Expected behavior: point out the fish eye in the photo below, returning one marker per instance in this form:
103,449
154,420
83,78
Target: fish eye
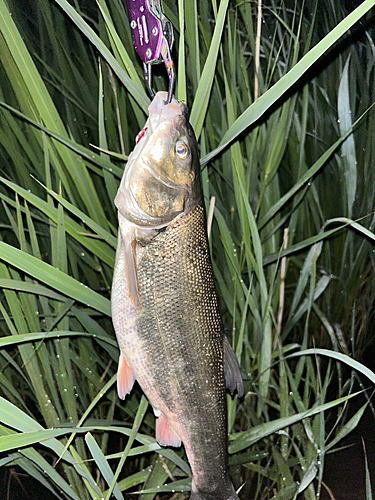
182,149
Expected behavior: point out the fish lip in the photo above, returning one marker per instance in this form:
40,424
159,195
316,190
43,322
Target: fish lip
160,112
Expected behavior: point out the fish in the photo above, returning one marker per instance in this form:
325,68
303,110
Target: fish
164,305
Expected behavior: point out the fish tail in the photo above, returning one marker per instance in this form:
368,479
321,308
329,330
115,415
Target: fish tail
207,496
228,494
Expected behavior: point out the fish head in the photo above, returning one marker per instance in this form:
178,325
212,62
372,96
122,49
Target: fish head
161,179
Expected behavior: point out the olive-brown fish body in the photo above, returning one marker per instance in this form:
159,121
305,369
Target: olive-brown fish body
165,312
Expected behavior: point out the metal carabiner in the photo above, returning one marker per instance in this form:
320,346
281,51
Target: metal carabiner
153,38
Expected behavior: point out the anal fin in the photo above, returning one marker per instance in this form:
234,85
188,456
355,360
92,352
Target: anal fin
232,372
165,435
125,378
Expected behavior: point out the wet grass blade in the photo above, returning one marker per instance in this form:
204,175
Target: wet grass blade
138,94
142,408
244,439
340,357
368,485
202,95
265,101
102,463
54,278
349,158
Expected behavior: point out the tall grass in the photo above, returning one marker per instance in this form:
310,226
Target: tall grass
292,239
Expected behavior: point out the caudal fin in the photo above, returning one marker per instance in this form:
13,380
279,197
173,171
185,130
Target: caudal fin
204,496
226,493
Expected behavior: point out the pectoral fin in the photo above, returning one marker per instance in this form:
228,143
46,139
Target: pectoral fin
232,373
130,268
165,435
125,378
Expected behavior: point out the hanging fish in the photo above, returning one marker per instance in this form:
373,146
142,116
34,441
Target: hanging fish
164,305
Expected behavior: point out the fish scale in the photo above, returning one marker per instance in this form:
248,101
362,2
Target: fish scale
180,314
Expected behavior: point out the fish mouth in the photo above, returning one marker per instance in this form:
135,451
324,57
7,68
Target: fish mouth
159,114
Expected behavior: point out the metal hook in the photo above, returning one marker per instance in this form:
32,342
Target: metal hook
166,55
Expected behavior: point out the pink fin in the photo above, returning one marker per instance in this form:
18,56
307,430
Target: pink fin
165,435
125,378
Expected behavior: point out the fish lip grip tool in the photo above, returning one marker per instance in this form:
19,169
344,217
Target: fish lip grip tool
153,38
